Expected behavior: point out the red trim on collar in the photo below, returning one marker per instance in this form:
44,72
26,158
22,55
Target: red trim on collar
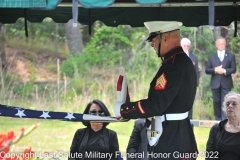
173,56
172,49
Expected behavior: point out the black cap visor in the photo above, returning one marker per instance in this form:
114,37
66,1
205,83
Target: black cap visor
152,35
155,34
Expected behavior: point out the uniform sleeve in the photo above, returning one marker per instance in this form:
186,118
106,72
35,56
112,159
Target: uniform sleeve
166,88
232,68
209,68
135,139
210,143
114,146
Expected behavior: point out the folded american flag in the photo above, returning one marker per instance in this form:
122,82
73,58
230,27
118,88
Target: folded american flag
17,112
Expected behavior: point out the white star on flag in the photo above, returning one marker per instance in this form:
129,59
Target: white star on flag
45,115
20,113
69,116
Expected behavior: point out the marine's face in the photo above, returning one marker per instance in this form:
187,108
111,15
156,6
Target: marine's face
221,44
232,104
164,44
155,43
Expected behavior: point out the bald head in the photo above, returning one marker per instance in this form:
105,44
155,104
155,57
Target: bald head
186,44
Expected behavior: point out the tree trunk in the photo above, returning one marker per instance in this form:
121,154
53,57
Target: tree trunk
224,32
2,49
203,75
56,40
217,32
200,30
74,38
128,53
227,34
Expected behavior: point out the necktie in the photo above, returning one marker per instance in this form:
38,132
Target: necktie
221,56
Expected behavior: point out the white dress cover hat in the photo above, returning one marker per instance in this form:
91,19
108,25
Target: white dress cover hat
157,27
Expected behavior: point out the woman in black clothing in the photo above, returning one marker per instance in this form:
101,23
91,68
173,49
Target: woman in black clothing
95,142
224,138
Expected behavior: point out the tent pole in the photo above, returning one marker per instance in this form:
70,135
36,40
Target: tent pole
89,21
25,22
235,6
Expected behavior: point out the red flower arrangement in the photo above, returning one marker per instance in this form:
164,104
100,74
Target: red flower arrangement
6,140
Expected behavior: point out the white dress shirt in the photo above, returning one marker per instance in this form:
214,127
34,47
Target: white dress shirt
221,55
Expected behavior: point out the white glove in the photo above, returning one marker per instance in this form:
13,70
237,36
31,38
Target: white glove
117,107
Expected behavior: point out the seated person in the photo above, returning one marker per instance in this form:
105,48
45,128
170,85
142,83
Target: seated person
224,138
95,139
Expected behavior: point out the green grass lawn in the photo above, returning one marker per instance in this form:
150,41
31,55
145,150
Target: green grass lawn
55,135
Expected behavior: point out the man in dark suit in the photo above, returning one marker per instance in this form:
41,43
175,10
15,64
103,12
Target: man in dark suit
220,65
186,44
138,142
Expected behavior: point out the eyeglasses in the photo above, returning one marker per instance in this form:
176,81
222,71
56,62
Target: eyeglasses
100,113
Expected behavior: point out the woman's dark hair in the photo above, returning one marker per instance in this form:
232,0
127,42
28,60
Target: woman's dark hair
103,108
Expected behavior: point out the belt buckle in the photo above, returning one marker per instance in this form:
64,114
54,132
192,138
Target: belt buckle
153,133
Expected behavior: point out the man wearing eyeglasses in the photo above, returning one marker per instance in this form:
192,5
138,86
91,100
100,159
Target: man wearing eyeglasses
170,97
186,44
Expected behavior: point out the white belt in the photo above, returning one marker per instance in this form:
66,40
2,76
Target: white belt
153,136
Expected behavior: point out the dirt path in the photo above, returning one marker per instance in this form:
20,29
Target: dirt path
27,65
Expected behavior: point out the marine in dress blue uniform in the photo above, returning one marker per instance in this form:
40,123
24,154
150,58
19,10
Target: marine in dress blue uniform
170,97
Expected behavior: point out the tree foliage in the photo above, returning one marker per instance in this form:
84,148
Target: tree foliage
107,47
36,31
143,59
235,44
202,41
